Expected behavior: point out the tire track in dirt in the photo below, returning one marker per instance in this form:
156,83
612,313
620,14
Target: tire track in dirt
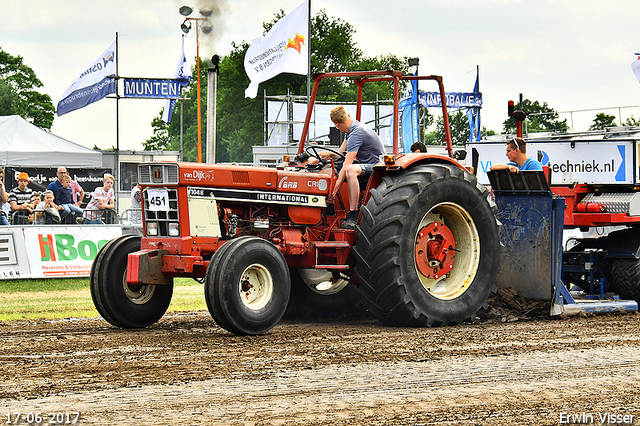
402,390
186,370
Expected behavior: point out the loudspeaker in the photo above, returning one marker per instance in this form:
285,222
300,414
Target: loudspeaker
336,137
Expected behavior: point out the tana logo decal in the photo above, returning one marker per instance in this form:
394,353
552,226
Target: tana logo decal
198,175
296,44
284,183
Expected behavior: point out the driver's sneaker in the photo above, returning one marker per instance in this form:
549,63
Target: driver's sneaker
349,224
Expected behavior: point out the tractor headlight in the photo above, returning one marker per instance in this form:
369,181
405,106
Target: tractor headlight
152,228
173,230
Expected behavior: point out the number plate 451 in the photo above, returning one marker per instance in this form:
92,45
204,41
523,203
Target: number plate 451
158,199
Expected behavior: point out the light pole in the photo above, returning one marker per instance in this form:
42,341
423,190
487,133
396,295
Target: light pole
212,88
413,62
206,28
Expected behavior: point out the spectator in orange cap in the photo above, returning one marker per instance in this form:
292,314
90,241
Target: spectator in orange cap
21,198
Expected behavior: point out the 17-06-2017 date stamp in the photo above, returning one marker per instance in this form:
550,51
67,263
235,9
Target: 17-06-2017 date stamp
37,418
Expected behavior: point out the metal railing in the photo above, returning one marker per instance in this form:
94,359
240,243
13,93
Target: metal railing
42,217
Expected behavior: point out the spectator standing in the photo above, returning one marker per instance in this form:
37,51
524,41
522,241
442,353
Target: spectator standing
136,205
4,196
21,199
102,198
78,193
64,196
518,160
57,184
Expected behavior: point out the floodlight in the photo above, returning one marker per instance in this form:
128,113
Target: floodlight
206,27
206,11
185,11
186,26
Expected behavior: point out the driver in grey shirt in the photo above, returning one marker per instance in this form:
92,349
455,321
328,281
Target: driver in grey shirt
363,148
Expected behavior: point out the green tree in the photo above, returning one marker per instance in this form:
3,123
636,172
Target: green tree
540,118
240,120
18,95
458,125
632,122
602,121
160,138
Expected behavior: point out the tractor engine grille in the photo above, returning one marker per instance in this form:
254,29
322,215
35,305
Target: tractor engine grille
164,221
158,173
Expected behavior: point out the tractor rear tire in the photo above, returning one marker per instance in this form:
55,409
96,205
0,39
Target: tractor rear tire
427,247
248,286
626,278
118,302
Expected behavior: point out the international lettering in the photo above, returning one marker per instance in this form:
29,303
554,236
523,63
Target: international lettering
283,198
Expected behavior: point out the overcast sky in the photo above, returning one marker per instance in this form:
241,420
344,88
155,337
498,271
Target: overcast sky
573,54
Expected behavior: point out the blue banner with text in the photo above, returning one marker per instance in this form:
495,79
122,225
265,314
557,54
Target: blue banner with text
151,88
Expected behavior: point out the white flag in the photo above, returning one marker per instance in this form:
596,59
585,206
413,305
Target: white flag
92,84
285,48
183,77
635,66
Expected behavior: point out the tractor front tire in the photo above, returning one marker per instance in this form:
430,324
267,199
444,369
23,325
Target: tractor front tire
427,247
120,303
248,286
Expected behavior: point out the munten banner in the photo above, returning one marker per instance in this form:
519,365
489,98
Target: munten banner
92,84
285,48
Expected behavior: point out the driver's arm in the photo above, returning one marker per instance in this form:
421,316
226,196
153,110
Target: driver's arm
328,154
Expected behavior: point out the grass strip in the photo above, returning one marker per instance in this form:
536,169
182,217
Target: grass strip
70,298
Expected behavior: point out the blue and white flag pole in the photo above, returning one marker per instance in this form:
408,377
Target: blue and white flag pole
183,78
473,114
635,66
94,83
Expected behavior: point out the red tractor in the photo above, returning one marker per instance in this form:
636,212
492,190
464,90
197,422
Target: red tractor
425,251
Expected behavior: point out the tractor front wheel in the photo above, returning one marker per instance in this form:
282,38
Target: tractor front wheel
119,302
247,286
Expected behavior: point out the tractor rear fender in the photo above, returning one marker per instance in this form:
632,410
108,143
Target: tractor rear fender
404,162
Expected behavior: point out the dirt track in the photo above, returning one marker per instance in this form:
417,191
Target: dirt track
185,370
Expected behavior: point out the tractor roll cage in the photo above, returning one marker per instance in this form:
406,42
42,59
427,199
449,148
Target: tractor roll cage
362,77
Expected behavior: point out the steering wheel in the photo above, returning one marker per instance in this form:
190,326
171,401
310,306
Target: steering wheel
314,151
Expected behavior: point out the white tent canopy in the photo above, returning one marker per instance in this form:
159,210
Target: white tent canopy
24,145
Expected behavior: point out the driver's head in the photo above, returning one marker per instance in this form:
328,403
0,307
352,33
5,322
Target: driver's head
340,118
